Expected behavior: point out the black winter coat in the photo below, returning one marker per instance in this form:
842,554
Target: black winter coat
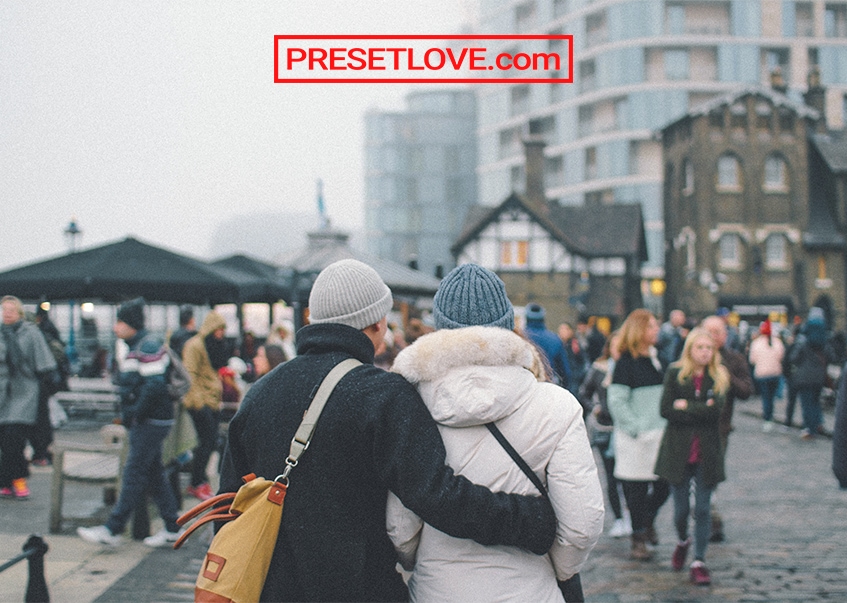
374,434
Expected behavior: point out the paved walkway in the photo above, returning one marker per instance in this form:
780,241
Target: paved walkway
786,521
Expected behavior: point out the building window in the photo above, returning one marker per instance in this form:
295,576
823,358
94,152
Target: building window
525,16
554,173
729,173
764,118
596,31
585,120
776,255
835,20
519,99
516,177
675,19
786,122
776,59
776,174
590,163
738,119
730,251
587,76
688,175
514,254
804,20
676,64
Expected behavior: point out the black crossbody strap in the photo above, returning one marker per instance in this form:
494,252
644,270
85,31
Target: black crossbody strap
516,457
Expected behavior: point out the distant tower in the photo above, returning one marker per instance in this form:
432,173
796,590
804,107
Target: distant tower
322,207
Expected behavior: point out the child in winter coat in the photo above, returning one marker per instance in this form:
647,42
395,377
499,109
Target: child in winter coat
694,394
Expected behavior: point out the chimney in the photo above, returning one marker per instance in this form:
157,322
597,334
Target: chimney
534,158
777,81
816,94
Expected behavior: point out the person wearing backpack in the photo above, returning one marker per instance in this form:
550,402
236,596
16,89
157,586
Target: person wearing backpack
147,411
374,435
809,358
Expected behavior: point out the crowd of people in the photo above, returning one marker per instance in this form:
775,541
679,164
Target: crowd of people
409,463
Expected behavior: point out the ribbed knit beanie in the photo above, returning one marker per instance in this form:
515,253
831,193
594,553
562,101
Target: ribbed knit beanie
351,293
471,295
132,313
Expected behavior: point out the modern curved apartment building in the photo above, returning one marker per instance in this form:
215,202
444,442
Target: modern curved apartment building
639,65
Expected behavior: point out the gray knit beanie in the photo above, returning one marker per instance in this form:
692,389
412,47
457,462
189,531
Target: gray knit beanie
351,293
472,296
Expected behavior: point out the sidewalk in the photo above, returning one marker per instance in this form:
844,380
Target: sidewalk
76,571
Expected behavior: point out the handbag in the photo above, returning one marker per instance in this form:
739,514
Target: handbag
237,562
572,587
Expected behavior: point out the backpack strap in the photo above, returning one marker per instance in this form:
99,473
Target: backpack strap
303,436
516,457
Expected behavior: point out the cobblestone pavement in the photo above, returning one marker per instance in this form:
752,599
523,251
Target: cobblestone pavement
785,522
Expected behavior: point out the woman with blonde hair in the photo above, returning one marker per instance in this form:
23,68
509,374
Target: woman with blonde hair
691,450
634,399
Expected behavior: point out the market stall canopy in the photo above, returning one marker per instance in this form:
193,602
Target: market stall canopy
131,268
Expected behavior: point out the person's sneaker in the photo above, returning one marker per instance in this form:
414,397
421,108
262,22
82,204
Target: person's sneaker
821,430
201,492
699,574
620,529
41,462
162,538
7,493
99,535
652,536
20,488
806,435
639,550
767,426
679,554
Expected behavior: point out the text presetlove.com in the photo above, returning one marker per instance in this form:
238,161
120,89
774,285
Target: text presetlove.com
461,59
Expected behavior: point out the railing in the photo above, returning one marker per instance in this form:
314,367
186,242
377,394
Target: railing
33,551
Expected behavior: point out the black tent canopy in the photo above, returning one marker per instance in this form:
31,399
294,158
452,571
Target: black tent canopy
131,268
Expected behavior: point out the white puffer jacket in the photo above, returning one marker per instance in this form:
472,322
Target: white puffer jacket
467,378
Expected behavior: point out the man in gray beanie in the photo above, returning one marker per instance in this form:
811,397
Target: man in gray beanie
374,435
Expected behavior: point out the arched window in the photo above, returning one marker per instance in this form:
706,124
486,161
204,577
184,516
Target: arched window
776,254
688,177
776,174
729,173
729,251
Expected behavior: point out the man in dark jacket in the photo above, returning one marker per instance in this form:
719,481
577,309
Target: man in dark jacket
147,411
549,344
374,435
740,387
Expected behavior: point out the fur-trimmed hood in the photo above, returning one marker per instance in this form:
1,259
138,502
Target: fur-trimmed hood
469,376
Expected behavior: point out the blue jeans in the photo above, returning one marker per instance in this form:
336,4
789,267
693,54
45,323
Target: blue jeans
810,403
702,503
767,388
144,473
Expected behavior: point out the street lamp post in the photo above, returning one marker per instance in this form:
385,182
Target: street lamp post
72,231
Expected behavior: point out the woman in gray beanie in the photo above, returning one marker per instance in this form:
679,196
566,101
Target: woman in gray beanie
473,370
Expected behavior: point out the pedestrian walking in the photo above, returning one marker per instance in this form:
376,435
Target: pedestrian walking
766,354
474,371
809,358
634,399
691,450
592,396
148,412
374,435
187,329
205,398
577,356
26,366
839,432
549,343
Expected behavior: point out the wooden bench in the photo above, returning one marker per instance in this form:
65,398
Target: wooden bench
88,463
90,401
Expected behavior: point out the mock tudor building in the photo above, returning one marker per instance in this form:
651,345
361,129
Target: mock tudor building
573,260
754,206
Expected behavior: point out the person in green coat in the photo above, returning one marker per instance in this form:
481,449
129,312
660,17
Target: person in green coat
694,394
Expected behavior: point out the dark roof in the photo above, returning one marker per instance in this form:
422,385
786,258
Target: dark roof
615,230
823,230
833,149
326,247
776,98
129,268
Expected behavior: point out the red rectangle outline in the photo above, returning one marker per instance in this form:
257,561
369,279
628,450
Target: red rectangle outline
567,37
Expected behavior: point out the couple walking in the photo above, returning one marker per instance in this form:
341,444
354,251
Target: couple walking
456,495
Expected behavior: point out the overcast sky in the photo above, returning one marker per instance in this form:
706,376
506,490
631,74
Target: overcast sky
161,119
